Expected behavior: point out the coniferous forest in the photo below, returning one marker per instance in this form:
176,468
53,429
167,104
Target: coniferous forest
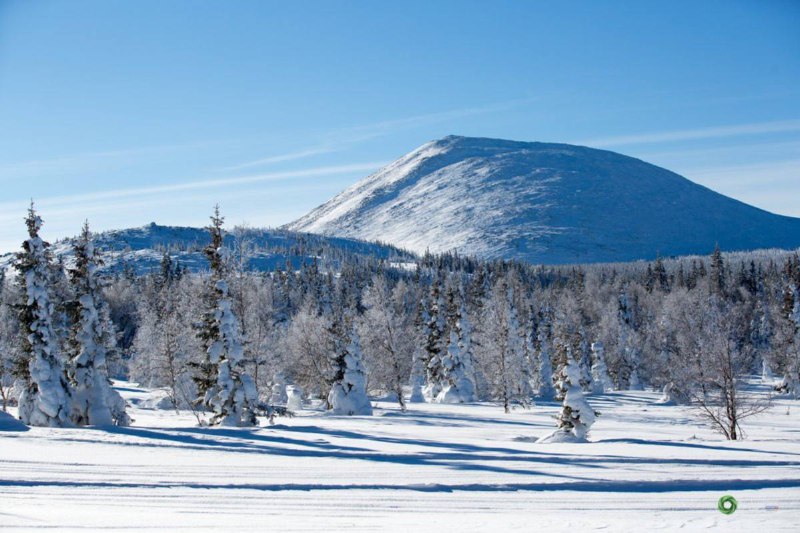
232,343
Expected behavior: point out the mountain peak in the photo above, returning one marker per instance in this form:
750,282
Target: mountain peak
542,202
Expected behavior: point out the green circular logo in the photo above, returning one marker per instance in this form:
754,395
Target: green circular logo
727,504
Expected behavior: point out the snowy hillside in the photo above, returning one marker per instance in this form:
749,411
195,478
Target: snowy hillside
141,249
548,203
437,467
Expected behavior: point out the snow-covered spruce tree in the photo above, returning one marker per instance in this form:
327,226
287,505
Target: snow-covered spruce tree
61,294
576,416
434,331
348,395
94,401
226,390
458,385
601,382
45,393
717,273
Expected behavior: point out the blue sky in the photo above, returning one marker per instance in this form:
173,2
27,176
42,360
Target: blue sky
131,112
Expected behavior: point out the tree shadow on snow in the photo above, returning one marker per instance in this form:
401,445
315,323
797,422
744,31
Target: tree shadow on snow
457,456
693,445
676,485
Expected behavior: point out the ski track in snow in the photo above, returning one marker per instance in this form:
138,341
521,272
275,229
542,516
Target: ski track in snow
434,468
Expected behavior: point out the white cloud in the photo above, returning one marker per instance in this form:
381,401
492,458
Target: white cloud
385,127
774,186
757,128
292,156
76,200
92,160
341,139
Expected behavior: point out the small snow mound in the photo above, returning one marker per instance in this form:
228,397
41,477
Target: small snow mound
294,398
667,398
9,423
348,403
160,400
561,436
451,395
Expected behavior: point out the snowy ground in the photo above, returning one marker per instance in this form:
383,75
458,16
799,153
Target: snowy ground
435,468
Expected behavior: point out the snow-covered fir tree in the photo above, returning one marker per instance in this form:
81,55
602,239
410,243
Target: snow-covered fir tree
458,385
45,394
576,416
434,332
226,389
717,273
348,394
94,401
601,382
233,398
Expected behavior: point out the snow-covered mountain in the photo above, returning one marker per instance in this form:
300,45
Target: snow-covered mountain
142,249
544,203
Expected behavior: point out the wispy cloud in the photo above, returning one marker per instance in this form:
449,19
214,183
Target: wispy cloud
750,177
92,160
770,185
74,201
292,156
732,151
333,141
377,129
757,128
341,139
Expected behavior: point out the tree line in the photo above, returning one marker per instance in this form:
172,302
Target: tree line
233,343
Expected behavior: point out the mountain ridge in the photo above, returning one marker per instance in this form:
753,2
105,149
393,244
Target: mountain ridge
142,248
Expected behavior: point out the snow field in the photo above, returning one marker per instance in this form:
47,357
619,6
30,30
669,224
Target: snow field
437,467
